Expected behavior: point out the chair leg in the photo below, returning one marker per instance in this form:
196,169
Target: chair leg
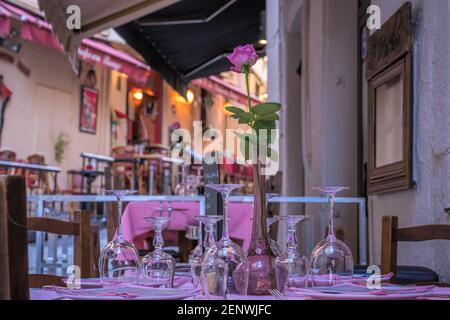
95,250
185,245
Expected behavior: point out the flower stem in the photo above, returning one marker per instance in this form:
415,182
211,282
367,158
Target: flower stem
247,71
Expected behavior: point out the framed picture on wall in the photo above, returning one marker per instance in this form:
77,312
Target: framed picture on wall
88,110
390,136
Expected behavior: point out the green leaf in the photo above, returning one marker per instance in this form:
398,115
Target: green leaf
269,116
245,117
265,124
235,110
265,108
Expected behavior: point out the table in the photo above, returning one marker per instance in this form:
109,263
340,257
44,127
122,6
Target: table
39,294
37,167
137,230
94,172
89,175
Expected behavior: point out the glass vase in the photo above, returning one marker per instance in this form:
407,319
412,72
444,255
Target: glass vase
260,255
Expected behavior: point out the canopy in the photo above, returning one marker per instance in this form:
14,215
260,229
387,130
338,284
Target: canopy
34,28
96,16
191,38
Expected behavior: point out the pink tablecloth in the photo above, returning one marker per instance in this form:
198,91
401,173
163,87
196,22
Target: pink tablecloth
137,230
436,294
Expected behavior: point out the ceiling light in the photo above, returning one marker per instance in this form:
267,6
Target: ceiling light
190,96
138,95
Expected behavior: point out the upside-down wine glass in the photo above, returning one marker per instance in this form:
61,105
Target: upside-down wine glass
182,188
209,221
119,260
331,259
158,267
225,267
291,267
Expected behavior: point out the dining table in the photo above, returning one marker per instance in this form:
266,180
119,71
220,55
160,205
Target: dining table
183,284
137,230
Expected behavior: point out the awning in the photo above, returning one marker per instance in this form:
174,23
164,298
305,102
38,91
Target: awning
98,52
34,28
190,39
218,86
96,16
4,20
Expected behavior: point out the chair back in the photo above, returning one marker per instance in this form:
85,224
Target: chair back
80,228
7,155
124,170
13,239
391,235
123,152
34,178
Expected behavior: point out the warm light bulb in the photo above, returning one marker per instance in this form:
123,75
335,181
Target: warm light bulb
190,96
138,95
262,42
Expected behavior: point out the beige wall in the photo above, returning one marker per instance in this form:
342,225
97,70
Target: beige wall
47,104
176,109
424,204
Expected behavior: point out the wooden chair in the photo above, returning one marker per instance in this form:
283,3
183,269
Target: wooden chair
37,182
391,234
13,239
7,155
124,169
80,228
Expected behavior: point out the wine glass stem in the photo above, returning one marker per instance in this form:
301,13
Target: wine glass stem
208,242
331,214
292,240
119,214
158,241
225,234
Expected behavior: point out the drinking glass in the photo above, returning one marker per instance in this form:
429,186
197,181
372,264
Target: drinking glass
208,241
291,268
331,259
119,260
276,249
225,267
274,246
158,267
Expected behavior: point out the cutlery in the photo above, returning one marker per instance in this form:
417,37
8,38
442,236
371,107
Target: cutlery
277,294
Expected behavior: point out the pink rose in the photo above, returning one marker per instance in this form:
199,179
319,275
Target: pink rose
243,56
